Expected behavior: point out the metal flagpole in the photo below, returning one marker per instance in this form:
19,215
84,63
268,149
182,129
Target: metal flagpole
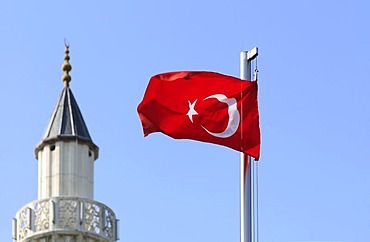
246,164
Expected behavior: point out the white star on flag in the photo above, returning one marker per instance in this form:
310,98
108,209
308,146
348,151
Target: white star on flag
192,111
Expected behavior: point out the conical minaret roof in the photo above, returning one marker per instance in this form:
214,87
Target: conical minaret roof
66,122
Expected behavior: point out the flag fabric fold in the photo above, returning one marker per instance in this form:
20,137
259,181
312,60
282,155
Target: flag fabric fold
203,106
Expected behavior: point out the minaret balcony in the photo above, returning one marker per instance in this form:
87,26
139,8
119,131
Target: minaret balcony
65,216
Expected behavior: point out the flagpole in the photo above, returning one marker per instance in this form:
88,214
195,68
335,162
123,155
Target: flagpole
246,164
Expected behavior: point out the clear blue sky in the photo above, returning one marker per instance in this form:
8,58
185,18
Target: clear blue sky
313,97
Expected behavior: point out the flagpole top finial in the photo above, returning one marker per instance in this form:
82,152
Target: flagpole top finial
66,67
252,54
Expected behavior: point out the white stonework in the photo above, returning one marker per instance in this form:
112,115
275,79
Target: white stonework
65,210
65,219
66,169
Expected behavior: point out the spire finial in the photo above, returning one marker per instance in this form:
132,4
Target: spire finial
66,67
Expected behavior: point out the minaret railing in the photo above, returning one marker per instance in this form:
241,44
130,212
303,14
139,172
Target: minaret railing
65,215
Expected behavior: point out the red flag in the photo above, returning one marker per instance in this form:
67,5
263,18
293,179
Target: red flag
204,106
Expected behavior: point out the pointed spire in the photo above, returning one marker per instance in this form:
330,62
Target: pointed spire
66,122
66,67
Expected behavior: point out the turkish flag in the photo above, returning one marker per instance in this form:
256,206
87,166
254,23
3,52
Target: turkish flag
203,106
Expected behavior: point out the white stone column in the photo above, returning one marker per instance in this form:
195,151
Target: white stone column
66,169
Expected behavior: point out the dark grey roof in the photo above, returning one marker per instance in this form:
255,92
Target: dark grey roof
66,123
67,119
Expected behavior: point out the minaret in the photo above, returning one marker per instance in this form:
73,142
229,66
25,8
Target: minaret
65,210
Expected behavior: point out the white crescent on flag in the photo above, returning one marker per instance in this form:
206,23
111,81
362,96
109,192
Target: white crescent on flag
234,116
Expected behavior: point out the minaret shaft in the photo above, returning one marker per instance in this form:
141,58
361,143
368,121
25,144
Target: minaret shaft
66,169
